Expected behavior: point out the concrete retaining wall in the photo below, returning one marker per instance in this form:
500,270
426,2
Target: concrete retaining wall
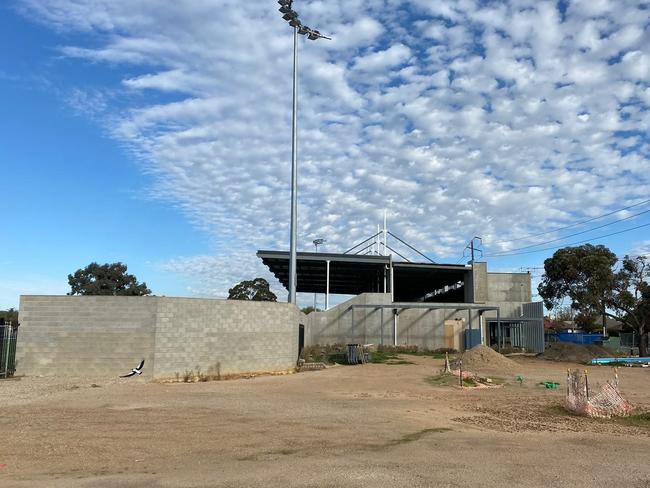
416,327
97,336
419,327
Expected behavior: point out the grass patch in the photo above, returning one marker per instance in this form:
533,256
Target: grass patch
637,420
442,380
430,354
416,351
385,357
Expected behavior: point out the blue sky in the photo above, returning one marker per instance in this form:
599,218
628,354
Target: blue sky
159,137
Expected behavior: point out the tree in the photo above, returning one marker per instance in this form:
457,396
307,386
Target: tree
257,290
583,274
588,323
588,275
310,309
630,301
10,315
106,279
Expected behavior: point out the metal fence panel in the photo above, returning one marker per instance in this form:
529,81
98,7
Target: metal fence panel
8,338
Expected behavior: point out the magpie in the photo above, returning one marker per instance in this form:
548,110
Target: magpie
135,371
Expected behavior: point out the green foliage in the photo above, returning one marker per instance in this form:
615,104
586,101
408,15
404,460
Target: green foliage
588,323
588,277
9,315
582,274
310,309
106,279
631,298
637,420
416,351
257,290
385,357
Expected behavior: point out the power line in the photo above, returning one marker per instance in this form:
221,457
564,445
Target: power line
568,245
573,225
576,233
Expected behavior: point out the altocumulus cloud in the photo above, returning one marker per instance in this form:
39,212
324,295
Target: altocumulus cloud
460,117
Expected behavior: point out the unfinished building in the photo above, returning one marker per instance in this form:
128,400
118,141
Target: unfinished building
426,304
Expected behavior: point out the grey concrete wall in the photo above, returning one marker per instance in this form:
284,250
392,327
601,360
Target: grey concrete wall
85,336
98,336
509,287
229,336
480,283
424,328
336,325
420,327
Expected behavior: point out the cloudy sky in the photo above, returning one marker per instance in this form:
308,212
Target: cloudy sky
157,133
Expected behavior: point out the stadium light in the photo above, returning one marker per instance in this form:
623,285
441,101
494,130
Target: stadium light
291,16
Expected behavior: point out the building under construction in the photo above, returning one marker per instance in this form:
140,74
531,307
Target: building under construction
402,302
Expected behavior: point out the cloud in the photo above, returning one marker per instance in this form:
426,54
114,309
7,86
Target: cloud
381,60
461,118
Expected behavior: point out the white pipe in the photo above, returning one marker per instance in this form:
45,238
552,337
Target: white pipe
392,282
395,329
385,232
377,241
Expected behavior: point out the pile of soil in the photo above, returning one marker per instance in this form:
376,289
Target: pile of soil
481,358
574,353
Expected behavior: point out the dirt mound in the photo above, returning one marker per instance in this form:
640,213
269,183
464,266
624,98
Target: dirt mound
481,358
574,353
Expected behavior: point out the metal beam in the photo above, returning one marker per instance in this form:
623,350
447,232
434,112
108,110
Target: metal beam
411,247
432,305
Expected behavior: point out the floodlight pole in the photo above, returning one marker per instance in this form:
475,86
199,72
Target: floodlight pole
291,16
294,175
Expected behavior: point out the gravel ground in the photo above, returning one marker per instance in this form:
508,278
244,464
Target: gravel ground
363,426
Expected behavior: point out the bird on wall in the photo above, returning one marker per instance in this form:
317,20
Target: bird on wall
134,371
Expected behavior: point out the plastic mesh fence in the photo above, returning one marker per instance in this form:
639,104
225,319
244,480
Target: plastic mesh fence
604,401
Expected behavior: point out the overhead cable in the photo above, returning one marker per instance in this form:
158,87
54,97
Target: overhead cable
574,234
576,224
568,245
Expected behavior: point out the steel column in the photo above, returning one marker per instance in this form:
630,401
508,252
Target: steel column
294,176
327,285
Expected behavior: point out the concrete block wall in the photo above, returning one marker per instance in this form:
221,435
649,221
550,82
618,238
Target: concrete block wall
85,336
228,336
107,336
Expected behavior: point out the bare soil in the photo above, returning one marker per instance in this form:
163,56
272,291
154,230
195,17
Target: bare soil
565,351
482,359
354,426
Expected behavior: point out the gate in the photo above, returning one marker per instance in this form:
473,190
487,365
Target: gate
8,337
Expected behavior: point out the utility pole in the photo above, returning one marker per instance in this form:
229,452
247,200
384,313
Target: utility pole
473,249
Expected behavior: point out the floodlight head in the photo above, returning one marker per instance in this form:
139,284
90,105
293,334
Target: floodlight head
295,23
290,15
318,242
286,3
304,30
314,34
285,9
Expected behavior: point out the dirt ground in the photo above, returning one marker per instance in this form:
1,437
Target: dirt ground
374,425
